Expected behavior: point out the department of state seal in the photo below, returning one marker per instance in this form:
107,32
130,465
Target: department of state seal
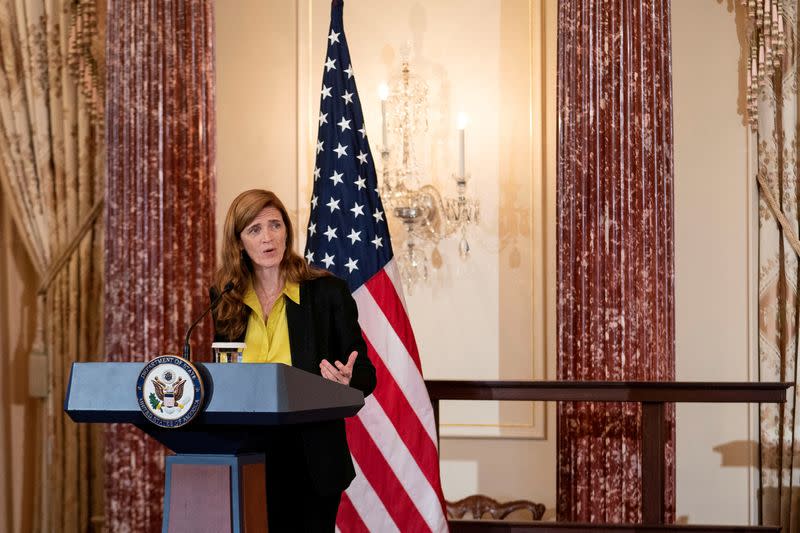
169,391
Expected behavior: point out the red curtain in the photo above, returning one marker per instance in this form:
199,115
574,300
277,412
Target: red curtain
615,244
160,199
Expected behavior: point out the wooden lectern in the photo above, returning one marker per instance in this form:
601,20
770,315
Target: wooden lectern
216,480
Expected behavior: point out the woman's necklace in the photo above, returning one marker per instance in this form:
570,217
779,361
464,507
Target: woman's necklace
267,298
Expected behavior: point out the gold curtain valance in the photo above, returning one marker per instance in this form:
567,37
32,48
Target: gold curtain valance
767,36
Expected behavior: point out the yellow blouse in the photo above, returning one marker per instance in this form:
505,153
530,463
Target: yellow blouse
268,341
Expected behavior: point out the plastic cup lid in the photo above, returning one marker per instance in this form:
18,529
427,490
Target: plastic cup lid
229,345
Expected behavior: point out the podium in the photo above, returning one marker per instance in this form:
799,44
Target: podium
216,480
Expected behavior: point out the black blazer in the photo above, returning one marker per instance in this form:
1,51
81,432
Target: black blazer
325,326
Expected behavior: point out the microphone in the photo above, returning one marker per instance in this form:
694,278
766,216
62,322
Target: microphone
216,298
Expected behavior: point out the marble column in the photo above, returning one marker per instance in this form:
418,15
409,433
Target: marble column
615,244
160,198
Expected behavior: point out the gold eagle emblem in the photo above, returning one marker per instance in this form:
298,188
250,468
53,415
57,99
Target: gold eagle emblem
162,388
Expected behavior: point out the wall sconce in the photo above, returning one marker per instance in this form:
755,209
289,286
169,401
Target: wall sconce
425,214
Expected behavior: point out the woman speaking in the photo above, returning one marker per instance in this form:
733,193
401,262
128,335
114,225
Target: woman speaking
289,312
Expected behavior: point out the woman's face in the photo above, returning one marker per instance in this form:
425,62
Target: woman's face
264,239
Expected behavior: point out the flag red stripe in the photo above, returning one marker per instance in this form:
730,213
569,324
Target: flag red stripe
348,519
405,420
382,479
385,295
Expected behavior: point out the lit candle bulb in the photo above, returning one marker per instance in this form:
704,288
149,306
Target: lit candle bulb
383,92
462,125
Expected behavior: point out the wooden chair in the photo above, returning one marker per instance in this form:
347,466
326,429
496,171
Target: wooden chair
478,505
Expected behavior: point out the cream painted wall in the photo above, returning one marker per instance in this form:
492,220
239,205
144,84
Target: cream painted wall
713,195
256,101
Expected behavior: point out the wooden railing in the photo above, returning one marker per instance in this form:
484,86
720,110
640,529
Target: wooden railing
652,395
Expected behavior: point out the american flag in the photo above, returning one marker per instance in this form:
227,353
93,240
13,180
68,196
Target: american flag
393,438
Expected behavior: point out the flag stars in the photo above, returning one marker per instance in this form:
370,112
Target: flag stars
344,124
331,234
357,210
333,204
354,236
332,249
326,92
351,264
340,150
336,178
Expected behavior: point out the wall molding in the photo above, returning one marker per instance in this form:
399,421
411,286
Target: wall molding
475,419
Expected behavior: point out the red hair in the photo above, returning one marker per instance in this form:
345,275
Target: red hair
231,313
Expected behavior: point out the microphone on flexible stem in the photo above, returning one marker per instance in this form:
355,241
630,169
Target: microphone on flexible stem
187,348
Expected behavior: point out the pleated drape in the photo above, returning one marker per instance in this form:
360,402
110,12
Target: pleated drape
160,217
776,97
615,307
51,172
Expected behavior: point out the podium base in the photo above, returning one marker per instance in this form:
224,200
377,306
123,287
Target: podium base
215,494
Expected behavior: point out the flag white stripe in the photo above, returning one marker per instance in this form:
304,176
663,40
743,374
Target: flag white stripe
394,276
394,355
402,463
368,505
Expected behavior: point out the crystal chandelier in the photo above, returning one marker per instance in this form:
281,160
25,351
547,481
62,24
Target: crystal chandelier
425,214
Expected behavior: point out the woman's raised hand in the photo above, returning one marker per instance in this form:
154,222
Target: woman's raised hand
341,373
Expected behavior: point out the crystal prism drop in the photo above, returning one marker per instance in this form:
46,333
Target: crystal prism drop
463,248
